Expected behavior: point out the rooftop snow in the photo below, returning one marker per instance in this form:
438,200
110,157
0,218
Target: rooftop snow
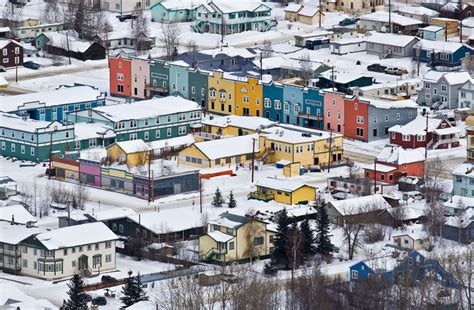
432,28
294,134
279,184
246,122
16,212
182,4
13,234
228,147
229,220
293,7
16,122
443,46
308,11
382,16
415,231
394,154
147,108
172,142
359,205
465,169
413,9
391,84
219,236
228,51
462,220
84,131
342,77
132,146
226,6
417,126
61,96
76,235
468,22
390,39
390,104
113,213
59,39
379,167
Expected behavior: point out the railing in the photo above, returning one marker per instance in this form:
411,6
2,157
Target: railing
260,196
309,116
443,141
210,136
156,88
213,251
231,21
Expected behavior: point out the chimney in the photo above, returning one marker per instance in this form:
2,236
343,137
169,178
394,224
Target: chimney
13,220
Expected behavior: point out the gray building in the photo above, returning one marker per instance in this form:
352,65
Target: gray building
384,114
466,94
379,21
440,90
387,44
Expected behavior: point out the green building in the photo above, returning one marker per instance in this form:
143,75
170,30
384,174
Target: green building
198,86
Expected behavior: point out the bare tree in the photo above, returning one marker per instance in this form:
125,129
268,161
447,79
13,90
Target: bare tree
253,230
294,251
460,263
306,68
51,12
140,26
434,218
267,49
192,47
433,171
352,232
80,196
11,15
171,33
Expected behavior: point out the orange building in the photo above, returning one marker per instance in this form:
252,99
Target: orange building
394,162
356,114
120,76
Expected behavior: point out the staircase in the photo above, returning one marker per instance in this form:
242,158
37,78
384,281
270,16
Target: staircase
271,24
210,254
268,151
385,54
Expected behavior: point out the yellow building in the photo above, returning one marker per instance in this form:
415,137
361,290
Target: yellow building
249,97
470,143
221,93
132,153
295,144
234,237
233,125
220,152
283,191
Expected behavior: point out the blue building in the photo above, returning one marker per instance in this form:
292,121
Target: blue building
272,101
53,105
441,54
463,180
312,112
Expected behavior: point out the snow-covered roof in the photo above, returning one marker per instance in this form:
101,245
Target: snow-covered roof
294,134
390,104
147,108
309,11
172,142
394,154
390,39
61,96
245,122
14,234
59,39
229,220
382,16
84,131
453,6
132,146
228,51
447,131
226,6
219,236
342,77
379,167
468,22
415,232
280,62
465,169
179,63
76,235
413,9
7,182
280,184
4,29
458,202
16,122
439,46
357,205
293,7
417,126
5,42
412,211
113,213
463,220
391,84
432,28
453,78
182,4
347,41
228,147
18,213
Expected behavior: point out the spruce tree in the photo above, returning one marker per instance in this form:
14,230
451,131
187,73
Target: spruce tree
309,248
279,258
323,242
76,297
132,290
218,201
232,203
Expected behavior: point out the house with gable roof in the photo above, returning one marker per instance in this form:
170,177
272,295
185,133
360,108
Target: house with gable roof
445,54
394,162
433,133
291,11
231,237
387,44
234,17
283,191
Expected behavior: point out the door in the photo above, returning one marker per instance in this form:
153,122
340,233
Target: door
83,262
177,188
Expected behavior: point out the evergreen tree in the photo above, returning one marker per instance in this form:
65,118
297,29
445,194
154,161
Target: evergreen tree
309,248
218,201
132,290
77,298
323,242
232,203
279,257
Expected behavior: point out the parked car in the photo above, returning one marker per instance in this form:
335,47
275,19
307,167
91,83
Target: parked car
445,196
107,278
123,18
99,301
396,71
376,68
415,195
3,69
31,65
348,21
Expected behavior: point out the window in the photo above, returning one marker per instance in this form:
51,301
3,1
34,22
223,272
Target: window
182,130
133,136
168,132
4,146
444,88
410,114
108,244
387,118
157,133
65,252
12,148
277,104
89,247
421,137
193,90
360,119
120,228
108,258
231,245
398,116
92,142
146,135
120,88
22,149
258,241
286,106
24,249
97,261
360,132
24,263
73,264
428,96
80,249
35,265
405,137
97,246
355,274
427,85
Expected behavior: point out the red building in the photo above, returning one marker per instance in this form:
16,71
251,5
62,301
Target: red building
394,162
425,132
356,117
120,76
11,53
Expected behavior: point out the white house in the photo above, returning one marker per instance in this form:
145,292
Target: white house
346,46
468,27
88,249
414,11
412,237
466,94
379,21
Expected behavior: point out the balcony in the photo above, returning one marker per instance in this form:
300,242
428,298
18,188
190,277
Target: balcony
260,196
309,116
156,88
209,136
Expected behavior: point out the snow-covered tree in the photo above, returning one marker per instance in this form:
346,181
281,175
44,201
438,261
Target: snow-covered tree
323,242
231,203
218,201
133,290
76,296
307,233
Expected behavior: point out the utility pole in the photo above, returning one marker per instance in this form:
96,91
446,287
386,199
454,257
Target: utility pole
320,13
375,175
460,20
426,143
332,78
50,153
446,32
330,151
67,44
390,16
261,65
200,194
253,158
149,176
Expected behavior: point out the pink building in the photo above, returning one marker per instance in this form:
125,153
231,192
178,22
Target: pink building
140,77
334,111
